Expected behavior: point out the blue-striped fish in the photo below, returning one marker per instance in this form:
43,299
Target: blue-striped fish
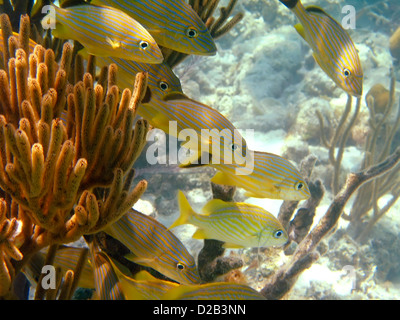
106,280
213,291
105,31
271,176
161,79
208,133
154,246
67,257
238,224
332,46
173,23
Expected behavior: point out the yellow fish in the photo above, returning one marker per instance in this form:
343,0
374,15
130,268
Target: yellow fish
211,136
104,31
271,176
173,23
154,246
106,280
142,286
332,46
213,291
238,224
161,79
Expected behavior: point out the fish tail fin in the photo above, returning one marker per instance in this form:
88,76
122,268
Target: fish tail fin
185,209
290,3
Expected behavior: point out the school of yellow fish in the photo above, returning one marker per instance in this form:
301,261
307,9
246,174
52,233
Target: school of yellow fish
128,34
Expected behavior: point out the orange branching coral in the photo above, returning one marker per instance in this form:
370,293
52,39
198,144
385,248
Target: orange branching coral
60,143
8,250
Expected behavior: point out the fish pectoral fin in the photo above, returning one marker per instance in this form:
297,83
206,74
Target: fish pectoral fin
300,30
114,44
228,245
199,234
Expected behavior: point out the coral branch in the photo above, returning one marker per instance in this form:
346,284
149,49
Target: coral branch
280,283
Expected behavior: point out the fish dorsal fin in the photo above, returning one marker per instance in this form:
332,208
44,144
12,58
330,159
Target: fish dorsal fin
215,204
300,30
315,9
175,95
71,3
318,10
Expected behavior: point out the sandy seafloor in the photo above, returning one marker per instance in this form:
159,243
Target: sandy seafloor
264,78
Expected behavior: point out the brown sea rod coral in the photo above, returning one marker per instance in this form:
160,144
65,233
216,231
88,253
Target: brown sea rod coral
59,143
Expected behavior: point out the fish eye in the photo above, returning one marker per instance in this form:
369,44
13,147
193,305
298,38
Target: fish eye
234,147
143,45
278,234
180,266
298,186
191,32
163,85
346,72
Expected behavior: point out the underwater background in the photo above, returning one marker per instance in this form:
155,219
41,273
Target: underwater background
264,79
